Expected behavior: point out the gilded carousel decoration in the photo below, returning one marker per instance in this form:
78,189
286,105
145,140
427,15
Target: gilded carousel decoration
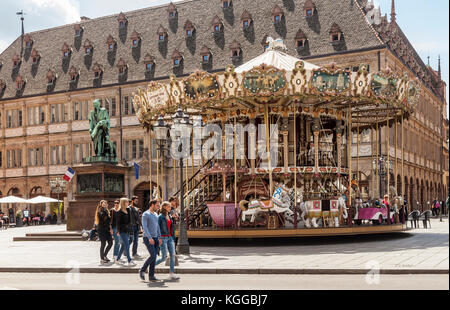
299,118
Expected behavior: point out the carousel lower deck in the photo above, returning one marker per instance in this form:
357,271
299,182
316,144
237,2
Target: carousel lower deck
299,232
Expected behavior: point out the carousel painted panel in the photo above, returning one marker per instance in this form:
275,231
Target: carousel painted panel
230,82
264,81
200,87
330,82
383,86
299,78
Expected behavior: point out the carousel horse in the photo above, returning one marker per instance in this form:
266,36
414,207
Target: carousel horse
313,210
280,203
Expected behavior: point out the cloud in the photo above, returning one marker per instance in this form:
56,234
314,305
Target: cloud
68,9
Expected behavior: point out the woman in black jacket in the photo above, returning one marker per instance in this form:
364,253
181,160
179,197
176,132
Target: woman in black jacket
123,228
104,229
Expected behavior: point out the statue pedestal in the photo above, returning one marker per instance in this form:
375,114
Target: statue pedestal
94,182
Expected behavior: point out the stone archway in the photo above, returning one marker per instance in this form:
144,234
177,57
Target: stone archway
142,191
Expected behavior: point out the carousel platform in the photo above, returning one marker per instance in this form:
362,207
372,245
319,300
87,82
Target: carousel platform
300,232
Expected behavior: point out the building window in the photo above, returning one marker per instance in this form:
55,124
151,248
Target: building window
128,107
36,116
226,4
14,158
110,105
13,118
58,155
133,149
36,157
80,110
58,113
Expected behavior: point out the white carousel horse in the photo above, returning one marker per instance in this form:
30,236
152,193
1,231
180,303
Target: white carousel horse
312,210
280,203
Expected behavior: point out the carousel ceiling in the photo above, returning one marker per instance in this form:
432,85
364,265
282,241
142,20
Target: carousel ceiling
284,85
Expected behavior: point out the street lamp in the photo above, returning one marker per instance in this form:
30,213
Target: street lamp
181,129
161,129
382,165
58,185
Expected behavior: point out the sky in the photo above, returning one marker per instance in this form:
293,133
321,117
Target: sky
425,23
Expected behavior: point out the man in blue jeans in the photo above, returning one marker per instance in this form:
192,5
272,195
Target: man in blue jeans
152,240
136,224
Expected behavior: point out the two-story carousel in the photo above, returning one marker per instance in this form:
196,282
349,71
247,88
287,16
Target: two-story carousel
285,168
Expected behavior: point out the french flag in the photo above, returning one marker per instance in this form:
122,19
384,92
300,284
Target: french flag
69,174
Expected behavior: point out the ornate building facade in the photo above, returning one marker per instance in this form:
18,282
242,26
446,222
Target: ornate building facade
48,82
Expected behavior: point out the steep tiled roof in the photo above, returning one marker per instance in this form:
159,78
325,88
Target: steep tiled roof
146,22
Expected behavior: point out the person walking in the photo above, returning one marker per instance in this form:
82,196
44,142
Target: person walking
135,225
437,206
123,231
114,217
167,228
152,240
26,216
104,230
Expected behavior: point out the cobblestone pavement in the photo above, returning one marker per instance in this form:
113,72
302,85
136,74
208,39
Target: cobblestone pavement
417,249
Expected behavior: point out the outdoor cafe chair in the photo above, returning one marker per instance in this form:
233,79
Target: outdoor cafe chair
413,217
425,217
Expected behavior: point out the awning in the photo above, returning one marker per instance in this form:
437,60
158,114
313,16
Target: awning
12,199
41,199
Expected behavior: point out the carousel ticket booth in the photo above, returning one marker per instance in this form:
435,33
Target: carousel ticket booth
269,144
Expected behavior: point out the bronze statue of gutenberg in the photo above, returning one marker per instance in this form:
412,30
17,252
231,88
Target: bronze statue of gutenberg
99,130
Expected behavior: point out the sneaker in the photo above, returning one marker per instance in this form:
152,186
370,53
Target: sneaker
136,256
153,279
119,262
173,276
106,259
142,275
130,264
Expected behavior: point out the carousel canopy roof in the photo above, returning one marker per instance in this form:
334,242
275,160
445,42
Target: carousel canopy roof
284,85
274,57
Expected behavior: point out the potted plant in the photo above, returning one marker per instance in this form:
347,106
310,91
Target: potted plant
19,216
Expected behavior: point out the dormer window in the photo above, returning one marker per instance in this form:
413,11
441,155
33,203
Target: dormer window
122,66
51,77
226,4
149,62
264,43
335,34
177,58
277,14
16,60
98,71
28,41
217,24
111,43
162,34
206,55
135,39
35,56
172,10
189,28
88,47
66,50
78,30
300,39
122,19
309,8
73,73
246,19
20,83
235,49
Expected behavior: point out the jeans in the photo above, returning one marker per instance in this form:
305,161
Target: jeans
124,246
134,238
167,244
116,243
105,237
153,250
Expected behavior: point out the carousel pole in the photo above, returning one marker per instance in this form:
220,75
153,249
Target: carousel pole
403,174
388,169
235,174
252,148
295,172
377,160
316,131
357,152
339,149
349,160
150,155
395,150
157,172
371,156
266,122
